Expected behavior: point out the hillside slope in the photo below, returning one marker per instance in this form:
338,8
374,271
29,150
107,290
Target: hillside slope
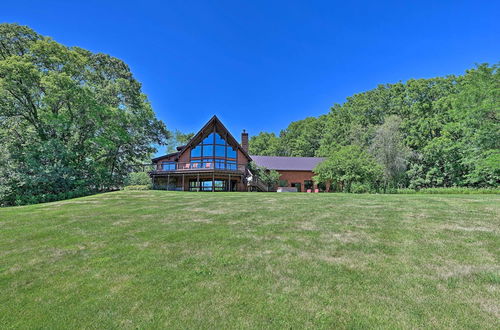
167,259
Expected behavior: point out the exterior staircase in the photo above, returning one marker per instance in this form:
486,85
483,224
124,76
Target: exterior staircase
254,183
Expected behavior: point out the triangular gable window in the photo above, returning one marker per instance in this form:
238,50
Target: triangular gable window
209,139
214,151
219,139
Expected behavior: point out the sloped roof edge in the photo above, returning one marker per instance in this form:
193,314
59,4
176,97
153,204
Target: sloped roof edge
213,120
287,163
164,156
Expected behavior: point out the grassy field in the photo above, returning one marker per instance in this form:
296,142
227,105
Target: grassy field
263,260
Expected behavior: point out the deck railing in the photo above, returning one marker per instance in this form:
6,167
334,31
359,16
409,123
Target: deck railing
200,166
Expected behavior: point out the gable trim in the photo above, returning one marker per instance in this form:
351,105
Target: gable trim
199,137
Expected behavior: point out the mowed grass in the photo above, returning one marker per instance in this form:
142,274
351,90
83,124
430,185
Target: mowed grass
151,259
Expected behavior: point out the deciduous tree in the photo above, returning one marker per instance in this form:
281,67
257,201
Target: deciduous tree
69,118
348,165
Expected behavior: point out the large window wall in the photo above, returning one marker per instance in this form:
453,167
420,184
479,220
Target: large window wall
209,185
214,152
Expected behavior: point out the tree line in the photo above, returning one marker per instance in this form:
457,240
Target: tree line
72,122
423,133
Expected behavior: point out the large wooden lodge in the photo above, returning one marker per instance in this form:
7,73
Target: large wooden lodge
213,160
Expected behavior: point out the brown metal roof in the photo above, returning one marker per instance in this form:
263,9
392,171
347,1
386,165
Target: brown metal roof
287,163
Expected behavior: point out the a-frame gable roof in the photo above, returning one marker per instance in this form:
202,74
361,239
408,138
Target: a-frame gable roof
207,129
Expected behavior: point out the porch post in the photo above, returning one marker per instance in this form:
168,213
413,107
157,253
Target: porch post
198,182
182,181
213,181
168,180
229,183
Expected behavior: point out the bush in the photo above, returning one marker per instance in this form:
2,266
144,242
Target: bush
45,198
138,187
283,183
360,188
402,191
346,167
137,179
450,190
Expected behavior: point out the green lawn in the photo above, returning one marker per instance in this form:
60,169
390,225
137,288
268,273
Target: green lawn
260,260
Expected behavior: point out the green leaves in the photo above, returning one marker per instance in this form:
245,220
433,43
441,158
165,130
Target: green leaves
80,118
445,127
348,165
269,177
265,144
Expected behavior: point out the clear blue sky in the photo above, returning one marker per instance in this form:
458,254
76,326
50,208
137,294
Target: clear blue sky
261,64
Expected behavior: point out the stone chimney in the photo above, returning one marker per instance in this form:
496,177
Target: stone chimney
244,140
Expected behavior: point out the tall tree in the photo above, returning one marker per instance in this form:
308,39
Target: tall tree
178,139
389,150
348,165
301,138
448,126
69,118
265,144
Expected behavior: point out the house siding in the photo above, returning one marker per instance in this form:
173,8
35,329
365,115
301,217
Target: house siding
296,176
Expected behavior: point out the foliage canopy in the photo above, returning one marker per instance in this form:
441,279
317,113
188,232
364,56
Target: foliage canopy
350,164
69,118
425,133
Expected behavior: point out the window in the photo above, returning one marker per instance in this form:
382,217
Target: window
193,185
196,163
206,185
209,139
218,185
208,150
207,163
220,163
219,139
196,151
308,184
230,165
231,153
296,185
214,152
168,166
220,151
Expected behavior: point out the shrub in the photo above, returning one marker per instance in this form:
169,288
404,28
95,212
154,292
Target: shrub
360,188
44,198
402,191
450,190
138,187
347,166
137,178
283,183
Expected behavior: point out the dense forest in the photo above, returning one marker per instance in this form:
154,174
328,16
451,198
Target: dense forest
438,132
72,122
